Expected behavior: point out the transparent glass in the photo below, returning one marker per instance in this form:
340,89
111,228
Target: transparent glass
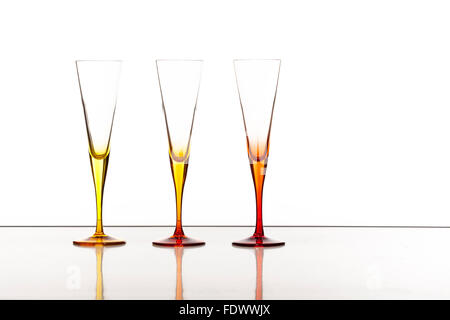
98,81
257,82
179,83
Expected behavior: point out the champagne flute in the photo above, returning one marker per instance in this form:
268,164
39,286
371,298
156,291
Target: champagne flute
179,83
98,81
257,82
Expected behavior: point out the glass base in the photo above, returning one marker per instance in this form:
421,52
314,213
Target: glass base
99,240
178,241
258,242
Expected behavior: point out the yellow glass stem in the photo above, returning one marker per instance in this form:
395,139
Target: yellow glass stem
99,167
179,172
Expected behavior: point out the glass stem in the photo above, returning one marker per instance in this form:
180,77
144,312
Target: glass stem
99,169
258,174
179,171
179,227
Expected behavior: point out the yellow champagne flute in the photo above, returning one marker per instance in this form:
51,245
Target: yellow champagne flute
98,81
179,83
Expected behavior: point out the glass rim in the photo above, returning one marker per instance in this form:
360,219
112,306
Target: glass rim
178,60
99,60
256,59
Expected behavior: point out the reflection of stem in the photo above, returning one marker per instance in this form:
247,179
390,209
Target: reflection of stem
259,254
99,169
99,255
179,257
258,174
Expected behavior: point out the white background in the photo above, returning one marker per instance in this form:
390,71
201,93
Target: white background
360,135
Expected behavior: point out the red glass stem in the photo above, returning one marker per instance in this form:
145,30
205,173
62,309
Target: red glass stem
258,169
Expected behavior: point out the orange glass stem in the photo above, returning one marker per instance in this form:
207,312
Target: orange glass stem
179,172
258,169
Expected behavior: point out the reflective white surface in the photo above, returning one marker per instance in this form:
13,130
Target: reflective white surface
316,263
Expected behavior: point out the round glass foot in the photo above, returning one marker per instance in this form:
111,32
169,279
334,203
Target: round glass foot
99,240
258,242
178,241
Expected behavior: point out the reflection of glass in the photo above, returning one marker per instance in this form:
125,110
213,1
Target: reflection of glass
179,82
259,254
179,252
179,285
99,254
99,249
257,82
98,81
259,257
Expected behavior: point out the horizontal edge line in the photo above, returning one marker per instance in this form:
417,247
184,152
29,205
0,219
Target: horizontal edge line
223,226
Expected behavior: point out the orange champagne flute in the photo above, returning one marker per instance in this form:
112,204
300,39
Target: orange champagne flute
257,82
